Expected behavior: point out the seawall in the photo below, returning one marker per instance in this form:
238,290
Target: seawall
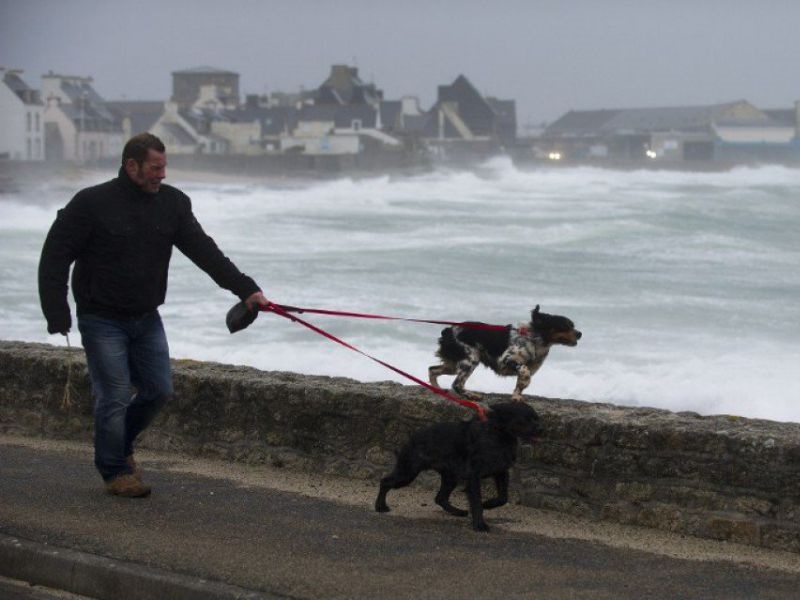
720,477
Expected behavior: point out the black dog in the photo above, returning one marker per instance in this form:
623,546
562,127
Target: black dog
466,451
519,350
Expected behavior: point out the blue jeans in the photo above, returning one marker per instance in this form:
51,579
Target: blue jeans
121,355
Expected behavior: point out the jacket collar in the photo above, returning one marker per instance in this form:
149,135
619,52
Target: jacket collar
131,188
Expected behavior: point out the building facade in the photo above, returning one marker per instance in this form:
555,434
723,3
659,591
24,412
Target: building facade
21,119
463,113
78,125
730,132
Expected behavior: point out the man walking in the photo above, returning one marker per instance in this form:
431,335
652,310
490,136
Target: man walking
120,236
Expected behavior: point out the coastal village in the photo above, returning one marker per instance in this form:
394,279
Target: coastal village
345,123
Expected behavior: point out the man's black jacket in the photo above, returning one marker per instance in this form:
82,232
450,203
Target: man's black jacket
121,240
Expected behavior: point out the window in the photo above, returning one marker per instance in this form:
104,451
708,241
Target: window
28,121
37,122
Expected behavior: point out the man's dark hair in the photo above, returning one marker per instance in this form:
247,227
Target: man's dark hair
137,147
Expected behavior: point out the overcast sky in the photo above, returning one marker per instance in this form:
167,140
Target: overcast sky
550,56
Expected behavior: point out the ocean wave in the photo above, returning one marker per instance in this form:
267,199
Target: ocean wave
684,284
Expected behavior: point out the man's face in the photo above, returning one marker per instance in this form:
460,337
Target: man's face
149,174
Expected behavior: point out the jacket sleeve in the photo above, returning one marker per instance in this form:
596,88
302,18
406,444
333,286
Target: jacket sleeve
66,238
202,250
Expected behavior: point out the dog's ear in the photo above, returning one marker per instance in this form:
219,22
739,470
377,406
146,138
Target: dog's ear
535,314
499,412
494,415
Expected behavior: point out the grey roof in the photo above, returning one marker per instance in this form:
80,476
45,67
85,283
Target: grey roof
460,88
665,119
274,119
77,89
782,116
179,133
204,70
128,107
504,108
579,122
318,112
639,120
462,82
343,86
23,91
91,117
142,113
87,107
201,118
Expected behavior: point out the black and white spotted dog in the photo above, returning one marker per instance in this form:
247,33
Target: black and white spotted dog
519,350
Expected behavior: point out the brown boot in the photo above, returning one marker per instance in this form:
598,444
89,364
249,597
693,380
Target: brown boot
127,486
136,471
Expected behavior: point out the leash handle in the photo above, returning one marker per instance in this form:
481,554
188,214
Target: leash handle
283,312
66,399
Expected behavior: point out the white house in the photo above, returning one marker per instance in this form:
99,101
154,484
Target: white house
320,138
21,119
78,125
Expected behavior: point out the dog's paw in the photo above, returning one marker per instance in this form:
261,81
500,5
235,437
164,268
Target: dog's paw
456,512
515,397
381,508
480,527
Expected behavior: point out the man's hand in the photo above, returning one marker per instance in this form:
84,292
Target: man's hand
62,325
256,300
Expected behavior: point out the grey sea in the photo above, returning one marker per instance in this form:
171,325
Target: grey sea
685,285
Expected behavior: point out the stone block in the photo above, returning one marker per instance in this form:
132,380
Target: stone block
732,529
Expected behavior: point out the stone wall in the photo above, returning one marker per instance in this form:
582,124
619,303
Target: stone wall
720,477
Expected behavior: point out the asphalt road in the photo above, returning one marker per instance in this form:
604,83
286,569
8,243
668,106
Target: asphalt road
319,538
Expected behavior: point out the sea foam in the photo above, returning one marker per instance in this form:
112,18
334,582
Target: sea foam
684,284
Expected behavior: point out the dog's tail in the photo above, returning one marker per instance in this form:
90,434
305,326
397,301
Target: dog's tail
449,347
446,335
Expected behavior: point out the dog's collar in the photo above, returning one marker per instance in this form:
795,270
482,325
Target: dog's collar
524,330
529,332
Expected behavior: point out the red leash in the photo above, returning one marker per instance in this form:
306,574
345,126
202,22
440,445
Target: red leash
338,313
284,311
